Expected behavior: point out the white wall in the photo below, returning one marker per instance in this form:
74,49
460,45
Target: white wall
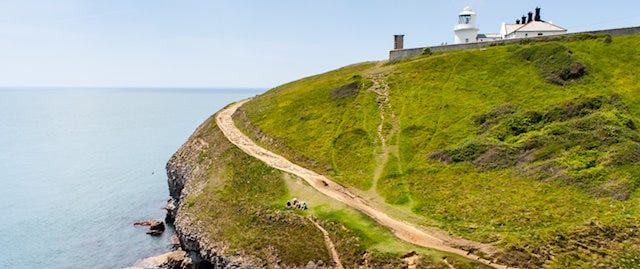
532,34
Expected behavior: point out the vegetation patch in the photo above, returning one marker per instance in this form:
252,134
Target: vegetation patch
332,136
235,206
544,165
426,51
605,38
240,206
349,145
392,185
579,142
363,243
593,245
351,88
554,62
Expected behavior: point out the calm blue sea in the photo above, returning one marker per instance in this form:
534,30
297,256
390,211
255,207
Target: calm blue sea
79,166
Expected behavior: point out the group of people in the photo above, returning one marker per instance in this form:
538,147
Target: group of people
302,205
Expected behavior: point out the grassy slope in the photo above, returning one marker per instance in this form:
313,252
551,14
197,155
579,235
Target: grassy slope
242,204
436,99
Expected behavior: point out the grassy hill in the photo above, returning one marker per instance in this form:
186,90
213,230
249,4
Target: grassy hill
235,205
531,147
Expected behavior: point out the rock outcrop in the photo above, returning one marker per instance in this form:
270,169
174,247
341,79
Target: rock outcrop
156,227
199,251
170,260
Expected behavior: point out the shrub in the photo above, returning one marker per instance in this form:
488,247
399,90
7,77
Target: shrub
554,62
576,142
345,91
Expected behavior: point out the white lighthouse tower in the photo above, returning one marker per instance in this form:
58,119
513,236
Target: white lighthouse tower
466,30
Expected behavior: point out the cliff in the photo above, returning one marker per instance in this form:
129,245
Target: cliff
185,171
529,148
229,211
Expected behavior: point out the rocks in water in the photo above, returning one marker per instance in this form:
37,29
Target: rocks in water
154,232
171,260
171,208
145,223
176,259
155,227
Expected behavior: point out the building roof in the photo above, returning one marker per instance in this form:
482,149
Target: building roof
488,36
509,28
534,26
538,26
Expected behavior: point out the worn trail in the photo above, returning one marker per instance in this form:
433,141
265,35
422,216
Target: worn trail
387,117
330,246
401,229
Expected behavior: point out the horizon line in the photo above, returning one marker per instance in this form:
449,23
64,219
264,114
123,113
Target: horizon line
138,87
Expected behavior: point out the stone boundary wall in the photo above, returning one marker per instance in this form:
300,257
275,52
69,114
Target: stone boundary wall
403,53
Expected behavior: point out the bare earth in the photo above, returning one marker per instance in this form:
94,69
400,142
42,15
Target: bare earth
330,246
403,230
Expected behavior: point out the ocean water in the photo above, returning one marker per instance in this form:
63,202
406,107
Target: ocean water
79,166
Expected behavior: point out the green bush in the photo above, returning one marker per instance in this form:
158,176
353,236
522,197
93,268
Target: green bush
553,61
575,142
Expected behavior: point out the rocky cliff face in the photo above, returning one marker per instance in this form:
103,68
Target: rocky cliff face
184,173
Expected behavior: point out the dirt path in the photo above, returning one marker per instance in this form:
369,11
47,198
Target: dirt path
401,229
332,249
387,130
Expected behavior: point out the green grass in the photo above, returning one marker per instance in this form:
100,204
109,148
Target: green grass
337,133
235,206
355,234
240,204
531,153
392,184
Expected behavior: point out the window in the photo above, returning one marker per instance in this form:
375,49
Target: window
464,19
466,40
526,35
539,34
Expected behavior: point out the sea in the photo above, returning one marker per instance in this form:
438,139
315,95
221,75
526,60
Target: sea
78,166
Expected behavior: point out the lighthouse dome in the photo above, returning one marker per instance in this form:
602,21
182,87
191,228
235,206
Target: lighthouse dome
467,11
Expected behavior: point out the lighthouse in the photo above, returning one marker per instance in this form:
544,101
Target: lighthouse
467,29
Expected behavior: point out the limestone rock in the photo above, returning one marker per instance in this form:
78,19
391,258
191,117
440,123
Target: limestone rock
155,227
169,260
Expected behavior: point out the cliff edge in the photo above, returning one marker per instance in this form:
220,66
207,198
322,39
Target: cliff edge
229,211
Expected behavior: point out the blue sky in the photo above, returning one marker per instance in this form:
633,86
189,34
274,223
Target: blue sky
239,43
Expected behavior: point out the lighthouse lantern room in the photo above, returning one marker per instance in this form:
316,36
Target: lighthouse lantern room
466,30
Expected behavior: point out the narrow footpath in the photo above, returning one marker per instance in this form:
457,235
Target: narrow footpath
401,229
330,246
387,117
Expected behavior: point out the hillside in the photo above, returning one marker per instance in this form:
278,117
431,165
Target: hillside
229,211
531,147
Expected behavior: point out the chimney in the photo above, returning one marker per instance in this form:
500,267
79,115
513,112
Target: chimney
398,42
518,21
530,17
537,18
524,19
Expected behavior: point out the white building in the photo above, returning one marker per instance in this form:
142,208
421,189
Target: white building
466,31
